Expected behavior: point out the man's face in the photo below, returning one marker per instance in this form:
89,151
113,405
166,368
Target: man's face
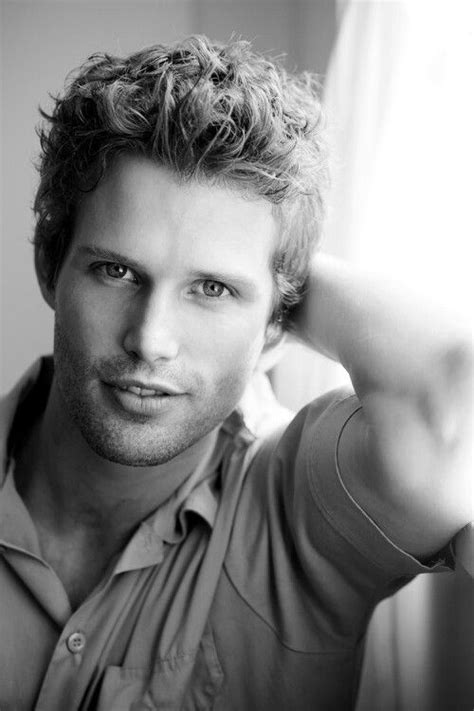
162,305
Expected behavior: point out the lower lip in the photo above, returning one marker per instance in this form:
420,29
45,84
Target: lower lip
148,406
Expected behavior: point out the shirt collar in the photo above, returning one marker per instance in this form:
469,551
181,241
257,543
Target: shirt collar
259,412
169,524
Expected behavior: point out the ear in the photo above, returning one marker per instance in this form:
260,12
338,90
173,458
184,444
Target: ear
275,342
41,274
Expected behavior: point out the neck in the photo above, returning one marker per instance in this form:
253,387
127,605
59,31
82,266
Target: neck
69,488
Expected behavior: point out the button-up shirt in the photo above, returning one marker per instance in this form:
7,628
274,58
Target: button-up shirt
249,589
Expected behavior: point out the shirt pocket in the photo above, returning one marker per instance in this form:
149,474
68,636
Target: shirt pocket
182,682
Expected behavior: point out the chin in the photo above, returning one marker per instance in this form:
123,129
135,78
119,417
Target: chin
120,450
134,459
137,444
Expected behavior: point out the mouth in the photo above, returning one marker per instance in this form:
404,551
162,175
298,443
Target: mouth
142,389
143,399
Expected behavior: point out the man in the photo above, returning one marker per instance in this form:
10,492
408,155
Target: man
164,547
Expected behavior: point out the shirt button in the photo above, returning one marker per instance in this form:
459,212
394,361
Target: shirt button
76,642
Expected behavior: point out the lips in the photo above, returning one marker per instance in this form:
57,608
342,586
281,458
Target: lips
148,400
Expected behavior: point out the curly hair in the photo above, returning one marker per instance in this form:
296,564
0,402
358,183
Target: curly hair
206,111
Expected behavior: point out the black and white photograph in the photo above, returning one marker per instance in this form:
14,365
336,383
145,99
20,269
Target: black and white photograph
236,355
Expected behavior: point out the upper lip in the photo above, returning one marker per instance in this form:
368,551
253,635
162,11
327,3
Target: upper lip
159,387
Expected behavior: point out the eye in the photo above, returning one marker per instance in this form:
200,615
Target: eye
119,272
214,289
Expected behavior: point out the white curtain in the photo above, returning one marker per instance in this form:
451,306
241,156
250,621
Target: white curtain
399,93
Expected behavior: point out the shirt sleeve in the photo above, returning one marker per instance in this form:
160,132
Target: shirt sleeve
303,554
323,423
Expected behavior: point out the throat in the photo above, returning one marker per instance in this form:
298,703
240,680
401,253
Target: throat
81,562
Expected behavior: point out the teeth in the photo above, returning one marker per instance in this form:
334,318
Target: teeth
143,392
146,391
134,389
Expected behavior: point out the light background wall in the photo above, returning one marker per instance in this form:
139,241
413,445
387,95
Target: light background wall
40,42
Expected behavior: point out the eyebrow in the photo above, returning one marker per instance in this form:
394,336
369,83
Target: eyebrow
238,281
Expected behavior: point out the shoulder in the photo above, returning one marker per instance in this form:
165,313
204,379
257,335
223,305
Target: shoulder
10,402
293,492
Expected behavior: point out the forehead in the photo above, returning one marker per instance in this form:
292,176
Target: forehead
143,208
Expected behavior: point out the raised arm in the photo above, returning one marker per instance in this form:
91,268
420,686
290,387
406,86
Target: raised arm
405,456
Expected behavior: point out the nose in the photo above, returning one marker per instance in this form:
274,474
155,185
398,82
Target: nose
152,326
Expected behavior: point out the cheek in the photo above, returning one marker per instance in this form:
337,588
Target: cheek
230,373
234,359
231,344
84,320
